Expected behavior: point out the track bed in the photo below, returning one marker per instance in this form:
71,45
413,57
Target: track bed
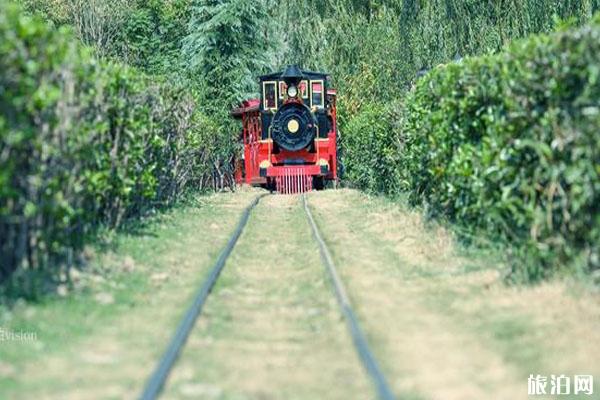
439,320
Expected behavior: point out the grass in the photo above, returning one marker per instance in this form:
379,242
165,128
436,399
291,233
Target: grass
440,295
123,309
272,328
440,318
59,322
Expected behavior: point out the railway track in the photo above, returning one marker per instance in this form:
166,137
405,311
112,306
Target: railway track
156,382
158,378
358,337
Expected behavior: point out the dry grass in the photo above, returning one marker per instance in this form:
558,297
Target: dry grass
445,332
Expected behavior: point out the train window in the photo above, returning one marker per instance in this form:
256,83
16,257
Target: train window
316,94
282,89
304,89
270,95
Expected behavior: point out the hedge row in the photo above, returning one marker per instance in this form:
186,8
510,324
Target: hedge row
506,144
84,143
369,148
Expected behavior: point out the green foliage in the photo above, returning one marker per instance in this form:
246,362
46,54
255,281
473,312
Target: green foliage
84,143
437,31
147,34
153,33
508,144
226,48
373,169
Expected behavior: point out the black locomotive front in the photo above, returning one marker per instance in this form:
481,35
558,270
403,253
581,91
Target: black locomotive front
293,127
293,109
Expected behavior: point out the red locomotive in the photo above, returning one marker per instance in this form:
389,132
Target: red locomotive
290,133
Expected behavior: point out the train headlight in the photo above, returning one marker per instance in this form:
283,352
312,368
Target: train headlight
293,126
292,91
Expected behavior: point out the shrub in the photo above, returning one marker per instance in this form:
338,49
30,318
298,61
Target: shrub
84,143
508,144
370,151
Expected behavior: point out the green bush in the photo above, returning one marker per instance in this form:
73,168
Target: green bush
85,143
370,152
508,144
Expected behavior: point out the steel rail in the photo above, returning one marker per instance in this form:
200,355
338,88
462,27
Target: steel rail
358,337
155,383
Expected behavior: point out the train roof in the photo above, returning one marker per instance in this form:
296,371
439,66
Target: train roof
305,75
245,107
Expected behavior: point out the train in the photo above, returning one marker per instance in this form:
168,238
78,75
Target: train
289,134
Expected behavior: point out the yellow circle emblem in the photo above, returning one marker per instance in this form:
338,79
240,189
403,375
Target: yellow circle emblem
293,126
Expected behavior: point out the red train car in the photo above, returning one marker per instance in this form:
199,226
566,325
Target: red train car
289,134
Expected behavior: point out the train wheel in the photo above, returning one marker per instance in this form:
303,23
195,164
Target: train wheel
270,185
318,183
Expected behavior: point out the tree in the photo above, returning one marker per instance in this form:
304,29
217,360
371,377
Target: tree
153,34
97,23
227,47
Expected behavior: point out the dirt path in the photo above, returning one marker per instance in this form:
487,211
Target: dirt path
440,320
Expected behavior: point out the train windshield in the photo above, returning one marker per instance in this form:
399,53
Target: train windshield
304,89
270,95
317,93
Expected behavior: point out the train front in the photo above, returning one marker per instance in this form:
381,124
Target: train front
290,135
